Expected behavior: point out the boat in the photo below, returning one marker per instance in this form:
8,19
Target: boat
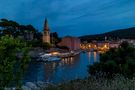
42,59
54,58
45,58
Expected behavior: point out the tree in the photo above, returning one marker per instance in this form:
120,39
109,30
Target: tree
116,61
38,35
54,38
11,67
30,28
9,27
46,46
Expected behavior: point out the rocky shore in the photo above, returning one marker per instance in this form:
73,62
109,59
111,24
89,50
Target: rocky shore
32,86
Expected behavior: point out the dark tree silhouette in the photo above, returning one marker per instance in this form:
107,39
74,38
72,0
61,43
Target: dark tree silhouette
119,60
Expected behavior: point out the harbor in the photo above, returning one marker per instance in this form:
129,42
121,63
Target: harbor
56,56
58,71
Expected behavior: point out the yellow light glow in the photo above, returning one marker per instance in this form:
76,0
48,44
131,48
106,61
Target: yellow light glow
105,46
55,53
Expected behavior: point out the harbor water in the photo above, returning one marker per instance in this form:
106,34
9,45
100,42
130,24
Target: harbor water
63,70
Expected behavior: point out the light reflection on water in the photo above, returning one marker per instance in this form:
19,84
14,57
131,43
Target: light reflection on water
66,69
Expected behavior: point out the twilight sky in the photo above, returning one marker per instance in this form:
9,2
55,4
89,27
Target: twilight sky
71,17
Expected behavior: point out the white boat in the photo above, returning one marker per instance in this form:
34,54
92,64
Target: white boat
54,58
48,59
43,57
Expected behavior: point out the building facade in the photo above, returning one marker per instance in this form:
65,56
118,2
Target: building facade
114,44
28,36
46,32
72,43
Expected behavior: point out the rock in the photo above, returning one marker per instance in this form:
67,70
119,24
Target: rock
31,85
26,88
11,88
41,84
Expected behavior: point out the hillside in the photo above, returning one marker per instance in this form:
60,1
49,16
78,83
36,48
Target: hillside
128,33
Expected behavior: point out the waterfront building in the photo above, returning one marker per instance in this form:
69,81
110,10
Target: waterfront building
73,43
114,44
130,41
98,45
103,46
27,36
46,32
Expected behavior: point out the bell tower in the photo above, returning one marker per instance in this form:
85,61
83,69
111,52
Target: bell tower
46,32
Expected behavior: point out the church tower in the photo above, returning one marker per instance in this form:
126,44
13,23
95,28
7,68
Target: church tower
46,32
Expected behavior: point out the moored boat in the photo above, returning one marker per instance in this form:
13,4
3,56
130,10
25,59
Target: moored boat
54,58
45,58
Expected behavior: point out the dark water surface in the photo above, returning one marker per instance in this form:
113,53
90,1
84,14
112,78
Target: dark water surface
66,69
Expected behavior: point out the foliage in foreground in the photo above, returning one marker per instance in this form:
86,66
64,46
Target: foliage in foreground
120,60
12,68
118,82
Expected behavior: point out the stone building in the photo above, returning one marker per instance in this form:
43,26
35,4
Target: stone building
72,43
28,36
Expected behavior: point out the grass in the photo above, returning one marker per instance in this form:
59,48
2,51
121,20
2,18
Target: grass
118,82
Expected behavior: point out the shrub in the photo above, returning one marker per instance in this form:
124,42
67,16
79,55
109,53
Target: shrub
118,82
120,60
12,68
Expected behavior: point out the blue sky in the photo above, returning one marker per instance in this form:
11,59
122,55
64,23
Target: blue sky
72,17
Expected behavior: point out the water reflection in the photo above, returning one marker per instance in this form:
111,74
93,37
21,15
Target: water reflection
95,56
66,69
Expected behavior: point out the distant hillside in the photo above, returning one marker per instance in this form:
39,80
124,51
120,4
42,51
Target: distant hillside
128,33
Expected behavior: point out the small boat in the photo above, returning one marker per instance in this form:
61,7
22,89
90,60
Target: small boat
42,59
54,58
48,59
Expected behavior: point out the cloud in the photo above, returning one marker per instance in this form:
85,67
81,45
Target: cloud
75,17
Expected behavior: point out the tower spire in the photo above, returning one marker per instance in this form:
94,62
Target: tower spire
46,32
46,27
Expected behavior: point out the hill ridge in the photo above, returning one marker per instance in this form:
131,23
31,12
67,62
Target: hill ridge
128,33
